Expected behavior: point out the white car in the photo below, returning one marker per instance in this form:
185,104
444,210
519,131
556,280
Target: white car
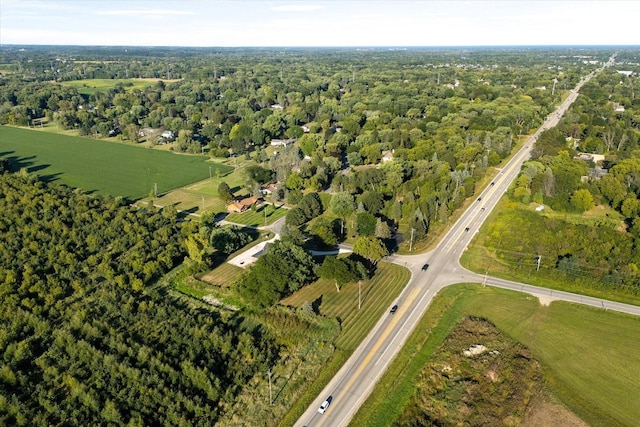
324,406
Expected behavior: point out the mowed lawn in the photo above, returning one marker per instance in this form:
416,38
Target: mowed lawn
378,295
263,215
590,357
91,86
101,166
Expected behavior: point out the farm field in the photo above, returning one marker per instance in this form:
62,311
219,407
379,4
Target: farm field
100,166
590,357
91,86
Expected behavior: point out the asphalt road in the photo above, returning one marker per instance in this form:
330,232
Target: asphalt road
356,379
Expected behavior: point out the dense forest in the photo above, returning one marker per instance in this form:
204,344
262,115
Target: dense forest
87,336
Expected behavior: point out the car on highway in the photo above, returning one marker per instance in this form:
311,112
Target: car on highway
394,309
323,408
466,229
424,267
479,199
492,184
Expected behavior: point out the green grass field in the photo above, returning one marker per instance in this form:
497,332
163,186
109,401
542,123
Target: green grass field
91,86
203,195
591,357
100,166
258,218
378,295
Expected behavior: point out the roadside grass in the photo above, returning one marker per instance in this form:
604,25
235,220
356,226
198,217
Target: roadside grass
263,215
378,295
590,357
91,86
100,166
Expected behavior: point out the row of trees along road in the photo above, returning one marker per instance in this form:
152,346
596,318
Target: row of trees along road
599,253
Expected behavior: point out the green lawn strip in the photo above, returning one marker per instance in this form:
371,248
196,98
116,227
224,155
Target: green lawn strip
591,357
479,259
104,167
91,86
257,218
388,282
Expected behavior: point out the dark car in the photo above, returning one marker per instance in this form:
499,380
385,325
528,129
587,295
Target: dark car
466,229
492,183
424,267
479,198
394,309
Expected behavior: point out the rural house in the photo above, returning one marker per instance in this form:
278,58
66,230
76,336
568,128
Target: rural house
238,206
269,189
282,142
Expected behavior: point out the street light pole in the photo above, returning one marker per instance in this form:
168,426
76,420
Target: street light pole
411,241
359,293
270,394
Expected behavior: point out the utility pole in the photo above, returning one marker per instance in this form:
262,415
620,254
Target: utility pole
203,202
539,259
270,395
265,214
411,241
359,293
155,189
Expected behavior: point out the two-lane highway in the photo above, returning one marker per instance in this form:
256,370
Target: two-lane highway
353,383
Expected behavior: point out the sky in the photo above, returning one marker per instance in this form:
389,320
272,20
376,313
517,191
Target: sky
231,23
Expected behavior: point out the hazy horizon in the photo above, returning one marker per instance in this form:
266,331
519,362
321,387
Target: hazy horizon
319,23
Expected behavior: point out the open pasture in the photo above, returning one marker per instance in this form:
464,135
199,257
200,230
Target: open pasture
91,86
100,166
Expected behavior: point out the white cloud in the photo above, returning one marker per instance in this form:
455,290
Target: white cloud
137,12
298,8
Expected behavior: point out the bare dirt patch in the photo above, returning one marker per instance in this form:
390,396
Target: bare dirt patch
546,300
544,413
